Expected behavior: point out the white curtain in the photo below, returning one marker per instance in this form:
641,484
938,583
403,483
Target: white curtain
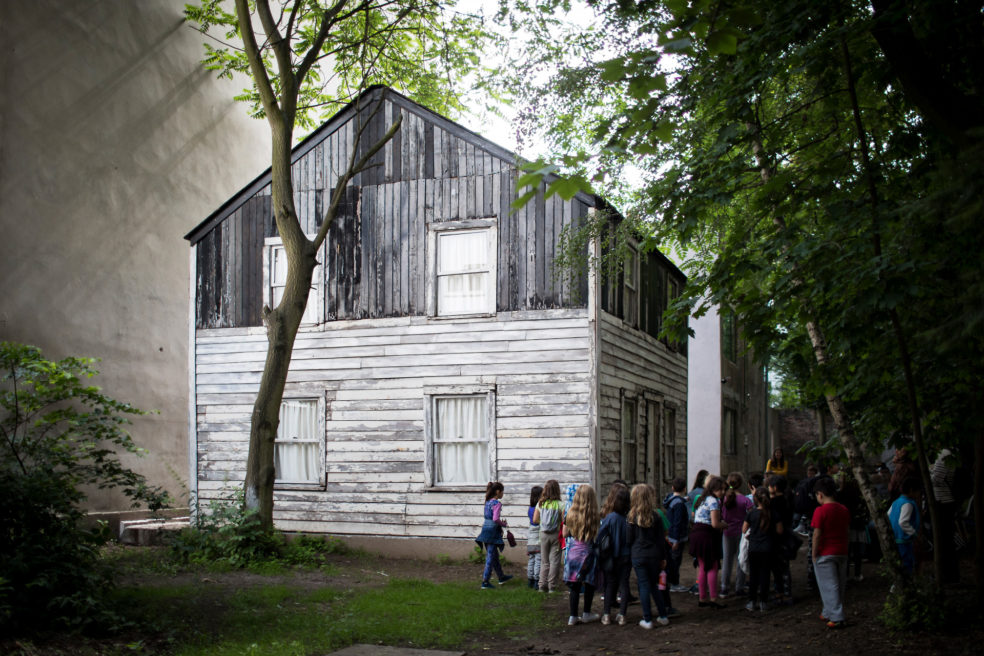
461,446
463,272
296,452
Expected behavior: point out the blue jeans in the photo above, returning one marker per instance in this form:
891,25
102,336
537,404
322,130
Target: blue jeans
908,555
492,562
647,573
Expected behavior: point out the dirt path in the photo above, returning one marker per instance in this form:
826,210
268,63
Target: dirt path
795,629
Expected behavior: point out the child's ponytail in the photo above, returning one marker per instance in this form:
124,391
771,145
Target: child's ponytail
492,489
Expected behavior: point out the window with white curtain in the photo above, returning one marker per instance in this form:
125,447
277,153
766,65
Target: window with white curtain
460,437
462,267
275,275
297,456
464,273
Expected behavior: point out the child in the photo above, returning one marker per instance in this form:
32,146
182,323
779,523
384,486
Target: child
763,527
676,508
614,524
647,544
904,518
696,491
580,529
533,541
705,541
664,590
781,506
491,536
736,506
548,515
831,523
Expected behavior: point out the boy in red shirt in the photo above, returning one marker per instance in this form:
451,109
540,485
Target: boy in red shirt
831,524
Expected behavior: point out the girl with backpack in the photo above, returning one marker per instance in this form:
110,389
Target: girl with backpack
614,552
705,541
549,514
735,507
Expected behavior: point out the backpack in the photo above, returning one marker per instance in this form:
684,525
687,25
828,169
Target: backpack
804,502
605,546
550,516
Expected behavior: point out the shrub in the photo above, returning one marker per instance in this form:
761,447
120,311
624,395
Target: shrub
915,606
58,435
228,535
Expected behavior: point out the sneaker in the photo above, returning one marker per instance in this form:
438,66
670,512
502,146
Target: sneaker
505,578
572,620
605,619
487,586
672,612
662,621
620,619
750,605
679,588
694,589
646,625
835,625
802,532
587,618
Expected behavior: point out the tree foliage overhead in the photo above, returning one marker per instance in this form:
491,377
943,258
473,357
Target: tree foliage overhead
822,165
424,48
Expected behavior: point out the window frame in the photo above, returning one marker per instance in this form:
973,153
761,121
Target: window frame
668,464
434,232
729,449
279,484
631,292
729,336
432,394
628,400
270,244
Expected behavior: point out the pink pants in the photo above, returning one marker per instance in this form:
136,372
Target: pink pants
707,580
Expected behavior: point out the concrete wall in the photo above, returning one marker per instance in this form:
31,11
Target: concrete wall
716,383
704,396
114,142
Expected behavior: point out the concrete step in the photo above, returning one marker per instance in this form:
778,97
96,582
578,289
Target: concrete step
150,532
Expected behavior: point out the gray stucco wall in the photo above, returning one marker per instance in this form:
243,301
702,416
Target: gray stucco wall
114,142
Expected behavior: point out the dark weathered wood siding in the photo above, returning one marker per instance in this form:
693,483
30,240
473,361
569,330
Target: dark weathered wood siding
432,171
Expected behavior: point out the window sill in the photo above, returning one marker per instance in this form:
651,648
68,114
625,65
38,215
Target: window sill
462,487
298,486
462,317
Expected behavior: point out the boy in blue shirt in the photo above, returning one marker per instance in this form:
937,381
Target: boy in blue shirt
904,518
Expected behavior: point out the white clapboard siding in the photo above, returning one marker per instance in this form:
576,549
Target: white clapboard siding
373,375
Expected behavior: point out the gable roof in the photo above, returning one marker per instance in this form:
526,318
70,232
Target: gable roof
343,115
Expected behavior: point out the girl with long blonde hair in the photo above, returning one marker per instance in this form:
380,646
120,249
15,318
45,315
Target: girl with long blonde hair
580,529
647,545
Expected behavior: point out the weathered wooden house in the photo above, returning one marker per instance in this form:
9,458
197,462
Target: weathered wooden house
439,350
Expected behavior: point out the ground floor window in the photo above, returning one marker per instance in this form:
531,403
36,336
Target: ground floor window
298,450
460,435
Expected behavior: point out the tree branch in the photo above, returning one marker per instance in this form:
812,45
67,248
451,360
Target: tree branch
260,77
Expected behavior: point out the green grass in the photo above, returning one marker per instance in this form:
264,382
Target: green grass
282,620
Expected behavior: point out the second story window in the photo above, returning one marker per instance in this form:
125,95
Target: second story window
631,278
464,268
275,275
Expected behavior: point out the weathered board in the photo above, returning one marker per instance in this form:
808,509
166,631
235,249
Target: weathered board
433,170
372,374
635,365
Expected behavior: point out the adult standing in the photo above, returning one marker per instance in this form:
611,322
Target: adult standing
831,526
